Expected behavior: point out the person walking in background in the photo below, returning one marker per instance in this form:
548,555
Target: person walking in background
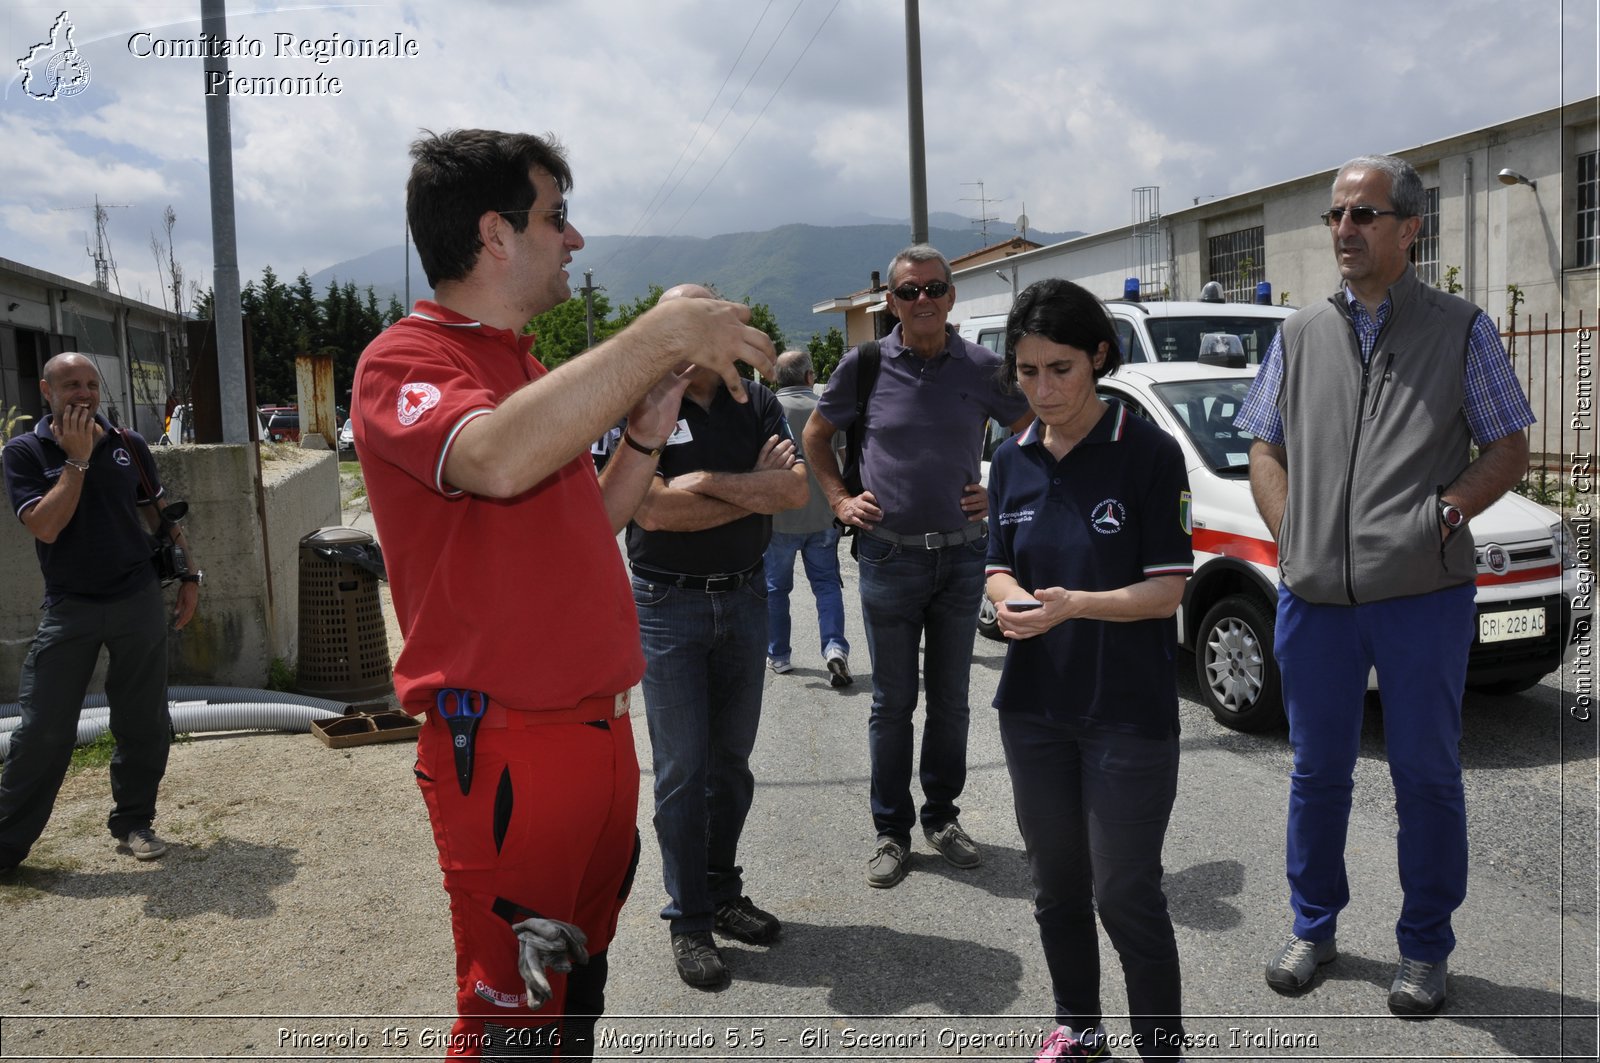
810,532
1087,563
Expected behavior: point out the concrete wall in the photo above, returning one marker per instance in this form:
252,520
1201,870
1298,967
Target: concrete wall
242,624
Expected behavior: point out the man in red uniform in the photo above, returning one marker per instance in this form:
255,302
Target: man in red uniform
521,640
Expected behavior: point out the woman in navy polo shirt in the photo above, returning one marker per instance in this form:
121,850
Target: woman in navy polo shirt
1088,553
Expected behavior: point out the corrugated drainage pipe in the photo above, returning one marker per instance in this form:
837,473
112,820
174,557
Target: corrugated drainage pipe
212,694
193,719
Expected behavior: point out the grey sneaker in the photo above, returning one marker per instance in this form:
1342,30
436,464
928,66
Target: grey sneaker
888,864
144,844
1295,965
1418,987
698,959
839,672
954,845
779,667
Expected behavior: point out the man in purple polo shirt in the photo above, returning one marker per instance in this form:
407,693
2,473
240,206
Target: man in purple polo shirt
922,546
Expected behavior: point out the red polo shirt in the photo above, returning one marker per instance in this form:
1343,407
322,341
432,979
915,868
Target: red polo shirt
524,598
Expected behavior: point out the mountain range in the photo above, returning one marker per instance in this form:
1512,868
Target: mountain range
790,268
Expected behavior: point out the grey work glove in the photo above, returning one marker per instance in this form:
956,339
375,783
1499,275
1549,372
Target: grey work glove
548,943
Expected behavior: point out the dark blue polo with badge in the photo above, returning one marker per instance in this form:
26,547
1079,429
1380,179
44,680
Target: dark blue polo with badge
1113,512
103,553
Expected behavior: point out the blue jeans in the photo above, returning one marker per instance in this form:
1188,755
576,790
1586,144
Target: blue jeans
1419,646
820,553
702,696
907,592
1093,807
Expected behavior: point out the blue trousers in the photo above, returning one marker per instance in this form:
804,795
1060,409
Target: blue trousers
702,695
55,675
1419,647
1093,807
819,551
908,593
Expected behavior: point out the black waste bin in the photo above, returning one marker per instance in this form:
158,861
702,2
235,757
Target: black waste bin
344,645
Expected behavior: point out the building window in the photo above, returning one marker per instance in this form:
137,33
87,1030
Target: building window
1588,232
1238,263
1425,251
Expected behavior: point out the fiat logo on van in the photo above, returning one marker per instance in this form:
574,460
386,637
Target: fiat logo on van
1495,556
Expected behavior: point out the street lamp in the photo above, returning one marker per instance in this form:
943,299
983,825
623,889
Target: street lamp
1512,177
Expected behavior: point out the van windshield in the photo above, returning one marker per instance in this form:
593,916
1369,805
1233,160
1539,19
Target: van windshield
1177,339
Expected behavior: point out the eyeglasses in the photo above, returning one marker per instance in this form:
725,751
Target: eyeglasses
560,213
907,293
1360,215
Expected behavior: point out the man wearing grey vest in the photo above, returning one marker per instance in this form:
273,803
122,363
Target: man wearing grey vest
1365,411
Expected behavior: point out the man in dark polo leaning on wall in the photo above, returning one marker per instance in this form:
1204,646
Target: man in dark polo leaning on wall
90,495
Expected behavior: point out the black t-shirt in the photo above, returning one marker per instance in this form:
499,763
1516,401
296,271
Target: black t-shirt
727,437
103,553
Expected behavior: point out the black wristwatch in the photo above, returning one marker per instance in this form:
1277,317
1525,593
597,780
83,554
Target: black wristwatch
193,577
1450,515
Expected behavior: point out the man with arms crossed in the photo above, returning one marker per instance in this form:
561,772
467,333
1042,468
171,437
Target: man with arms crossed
922,547
696,547
521,638
1364,412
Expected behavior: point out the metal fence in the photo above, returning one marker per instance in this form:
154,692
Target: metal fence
1555,360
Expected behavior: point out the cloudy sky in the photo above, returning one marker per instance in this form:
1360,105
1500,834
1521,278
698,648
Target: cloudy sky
709,116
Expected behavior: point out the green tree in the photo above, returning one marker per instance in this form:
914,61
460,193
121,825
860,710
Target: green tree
826,348
761,317
562,331
275,336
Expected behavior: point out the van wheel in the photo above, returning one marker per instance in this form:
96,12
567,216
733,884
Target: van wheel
1234,664
988,622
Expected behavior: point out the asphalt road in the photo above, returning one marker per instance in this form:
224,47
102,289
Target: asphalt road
947,964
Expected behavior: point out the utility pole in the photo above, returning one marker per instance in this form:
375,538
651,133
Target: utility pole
588,291
919,161
224,239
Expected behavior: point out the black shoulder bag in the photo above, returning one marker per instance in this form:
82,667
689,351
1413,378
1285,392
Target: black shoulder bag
868,358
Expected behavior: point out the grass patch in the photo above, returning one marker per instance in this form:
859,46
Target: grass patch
280,675
96,754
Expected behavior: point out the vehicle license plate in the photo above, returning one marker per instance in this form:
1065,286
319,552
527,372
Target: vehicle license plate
1514,624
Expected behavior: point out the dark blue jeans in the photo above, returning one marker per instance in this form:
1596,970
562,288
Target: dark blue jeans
908,593
819,551
702,696
1093,806
1419,645
55,675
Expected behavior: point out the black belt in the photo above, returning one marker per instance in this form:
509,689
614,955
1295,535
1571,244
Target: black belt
710,584
929,540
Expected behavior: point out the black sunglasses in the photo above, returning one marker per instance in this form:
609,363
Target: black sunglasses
560,213
907,293
1360,215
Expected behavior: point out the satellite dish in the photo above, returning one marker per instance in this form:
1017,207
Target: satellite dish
1022,223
